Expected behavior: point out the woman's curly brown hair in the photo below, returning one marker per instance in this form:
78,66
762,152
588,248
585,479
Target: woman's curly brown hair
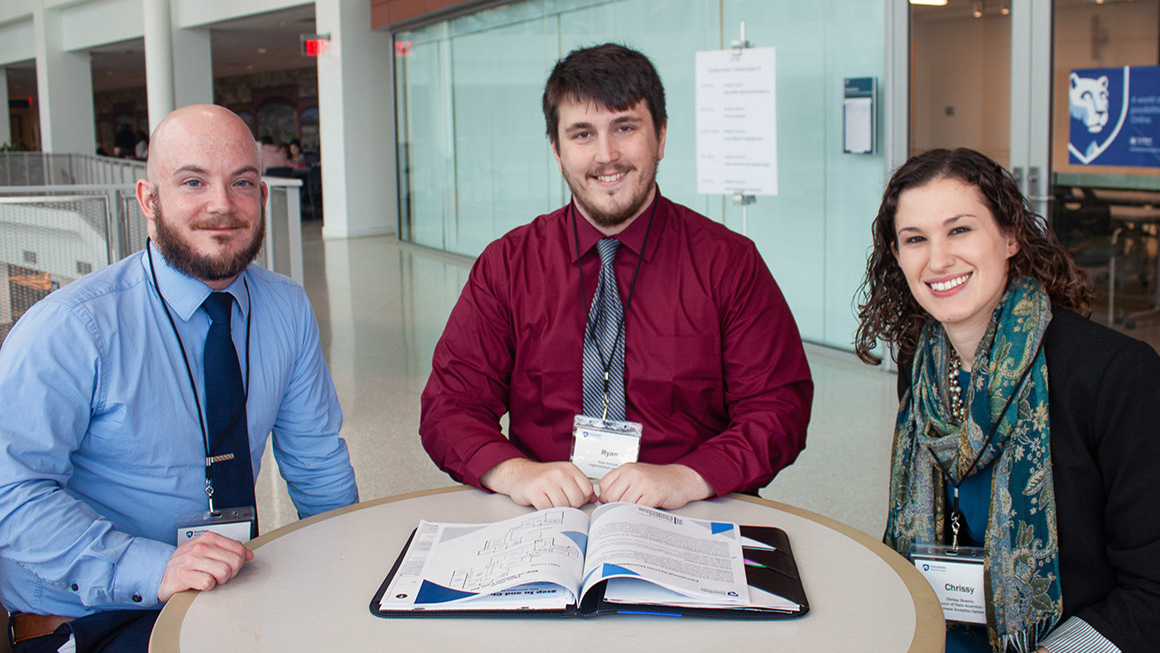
887,310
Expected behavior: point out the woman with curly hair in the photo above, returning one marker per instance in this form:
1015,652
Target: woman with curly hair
1023,428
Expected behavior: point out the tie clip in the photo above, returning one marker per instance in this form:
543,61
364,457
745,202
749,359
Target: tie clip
218,459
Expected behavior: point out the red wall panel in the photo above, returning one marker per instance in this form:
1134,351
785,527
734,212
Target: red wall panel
389,12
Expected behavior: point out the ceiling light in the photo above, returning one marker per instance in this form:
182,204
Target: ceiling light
261,50
978,11
1005,9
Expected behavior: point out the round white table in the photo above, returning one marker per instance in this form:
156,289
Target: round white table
310,584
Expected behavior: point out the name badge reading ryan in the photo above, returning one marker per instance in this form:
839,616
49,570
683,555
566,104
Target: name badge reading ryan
600,446
957,578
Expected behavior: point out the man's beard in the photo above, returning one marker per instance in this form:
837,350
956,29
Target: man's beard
609,219
180,254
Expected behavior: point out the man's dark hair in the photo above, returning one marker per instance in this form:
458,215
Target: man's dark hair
612,76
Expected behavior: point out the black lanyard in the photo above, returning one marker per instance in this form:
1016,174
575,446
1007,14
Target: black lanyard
201,418
956,514
607,365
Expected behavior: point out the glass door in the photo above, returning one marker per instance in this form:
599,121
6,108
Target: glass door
980,78
1066,95
960,77
1105,153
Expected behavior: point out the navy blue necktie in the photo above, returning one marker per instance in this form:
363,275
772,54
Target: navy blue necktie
225,410
604,340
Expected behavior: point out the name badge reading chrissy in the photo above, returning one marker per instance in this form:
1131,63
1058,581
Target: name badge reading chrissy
957,578
600,446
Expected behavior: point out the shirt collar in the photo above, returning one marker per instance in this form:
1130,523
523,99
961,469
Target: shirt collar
183,293
632,237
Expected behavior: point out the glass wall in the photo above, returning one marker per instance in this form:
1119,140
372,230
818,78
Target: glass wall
474,160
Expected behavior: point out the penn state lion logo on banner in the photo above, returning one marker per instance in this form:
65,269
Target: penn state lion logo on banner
1088,101
1098,105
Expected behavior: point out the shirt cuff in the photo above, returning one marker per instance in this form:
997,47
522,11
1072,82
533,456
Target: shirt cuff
1077,636
713,466
486,457
139,572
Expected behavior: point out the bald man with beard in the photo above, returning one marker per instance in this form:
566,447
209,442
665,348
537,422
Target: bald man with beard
103,426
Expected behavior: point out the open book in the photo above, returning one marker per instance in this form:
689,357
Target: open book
625,559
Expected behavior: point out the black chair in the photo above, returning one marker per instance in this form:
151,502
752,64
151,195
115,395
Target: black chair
1083,224
4,645
286,172
313,189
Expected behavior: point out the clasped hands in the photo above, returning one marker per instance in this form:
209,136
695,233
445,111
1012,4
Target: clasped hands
559,484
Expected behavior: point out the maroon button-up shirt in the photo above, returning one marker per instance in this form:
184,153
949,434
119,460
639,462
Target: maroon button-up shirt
714,366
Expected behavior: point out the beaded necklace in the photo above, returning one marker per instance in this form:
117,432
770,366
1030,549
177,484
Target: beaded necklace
954,368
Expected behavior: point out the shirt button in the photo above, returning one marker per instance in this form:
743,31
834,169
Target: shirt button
75,587
136,598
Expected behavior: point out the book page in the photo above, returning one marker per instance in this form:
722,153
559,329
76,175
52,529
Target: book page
696,558
532,561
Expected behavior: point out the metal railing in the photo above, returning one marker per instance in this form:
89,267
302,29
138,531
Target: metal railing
53,234
46,169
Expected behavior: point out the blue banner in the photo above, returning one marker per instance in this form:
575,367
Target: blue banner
1115,116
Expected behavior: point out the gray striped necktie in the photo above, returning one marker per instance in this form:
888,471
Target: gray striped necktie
604,340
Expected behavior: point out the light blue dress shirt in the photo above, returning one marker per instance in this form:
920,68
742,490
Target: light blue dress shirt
100,443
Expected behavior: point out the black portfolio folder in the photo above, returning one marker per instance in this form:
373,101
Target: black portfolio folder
770,570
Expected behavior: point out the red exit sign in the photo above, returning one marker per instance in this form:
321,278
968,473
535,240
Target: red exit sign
314,45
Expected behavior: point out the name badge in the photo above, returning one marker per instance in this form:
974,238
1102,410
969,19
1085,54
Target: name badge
957,578
235,523
600,446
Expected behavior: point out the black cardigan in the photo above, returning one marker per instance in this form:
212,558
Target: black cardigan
1104,395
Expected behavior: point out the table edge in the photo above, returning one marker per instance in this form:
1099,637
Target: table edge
166,635
929,634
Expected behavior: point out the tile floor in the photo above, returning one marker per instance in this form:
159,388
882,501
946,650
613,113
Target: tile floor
382,306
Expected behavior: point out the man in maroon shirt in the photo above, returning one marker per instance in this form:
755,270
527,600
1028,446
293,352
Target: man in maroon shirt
714,370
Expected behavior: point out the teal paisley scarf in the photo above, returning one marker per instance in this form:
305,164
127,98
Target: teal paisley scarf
1007,395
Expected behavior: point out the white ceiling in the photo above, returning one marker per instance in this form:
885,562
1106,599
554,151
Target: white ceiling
236,45
958,9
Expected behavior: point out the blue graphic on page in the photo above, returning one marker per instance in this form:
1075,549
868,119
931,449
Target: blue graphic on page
721,527
435,593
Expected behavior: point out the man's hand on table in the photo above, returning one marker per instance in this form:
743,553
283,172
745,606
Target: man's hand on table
540,485
202,563
657,486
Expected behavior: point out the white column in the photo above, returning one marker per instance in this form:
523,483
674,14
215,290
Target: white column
357,124
158,60
1031,99
64,83
5,294
5,126
192,66
896,88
